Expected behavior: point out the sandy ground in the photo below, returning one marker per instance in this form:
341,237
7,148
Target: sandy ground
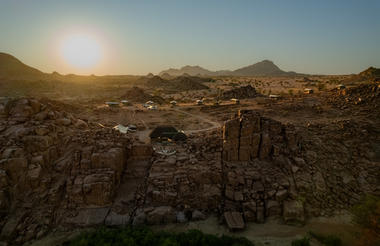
272,233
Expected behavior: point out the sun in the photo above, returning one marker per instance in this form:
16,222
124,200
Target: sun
81,51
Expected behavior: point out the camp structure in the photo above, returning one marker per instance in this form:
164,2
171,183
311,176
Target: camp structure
308,91
341,87
199,102
235,100
274,96
112,104
167,133
125,102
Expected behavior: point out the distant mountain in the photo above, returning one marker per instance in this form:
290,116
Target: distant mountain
263,68
189,70
11,67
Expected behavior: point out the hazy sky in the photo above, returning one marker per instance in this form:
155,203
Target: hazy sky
137,37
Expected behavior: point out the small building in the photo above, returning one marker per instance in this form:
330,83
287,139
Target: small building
112,104
341,87
308,91
235,100
125,102
234,220
148,104
273,96
165,133
132,128
152,107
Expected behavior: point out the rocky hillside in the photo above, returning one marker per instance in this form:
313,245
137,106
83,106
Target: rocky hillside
240,93
370,74
11,67
52,163
57,170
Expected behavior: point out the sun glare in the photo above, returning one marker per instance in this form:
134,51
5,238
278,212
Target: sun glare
81,51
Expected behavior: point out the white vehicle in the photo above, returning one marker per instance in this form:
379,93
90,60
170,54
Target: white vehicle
132,128
199,102
152,107
124,102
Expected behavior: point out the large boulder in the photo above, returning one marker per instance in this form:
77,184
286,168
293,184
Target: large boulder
89,217
293,212
161,215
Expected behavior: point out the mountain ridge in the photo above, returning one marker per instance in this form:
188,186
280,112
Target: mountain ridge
262,68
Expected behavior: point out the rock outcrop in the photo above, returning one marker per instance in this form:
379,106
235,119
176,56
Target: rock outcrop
53,164
240,93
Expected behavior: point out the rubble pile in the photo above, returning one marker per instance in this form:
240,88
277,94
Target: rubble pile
343,164
240,93
189,179
363,94
50,163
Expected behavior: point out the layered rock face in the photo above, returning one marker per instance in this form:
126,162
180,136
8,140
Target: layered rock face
259,159
51,163
250,136
269,170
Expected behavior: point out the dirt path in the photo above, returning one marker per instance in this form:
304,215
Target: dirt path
272,233
202,118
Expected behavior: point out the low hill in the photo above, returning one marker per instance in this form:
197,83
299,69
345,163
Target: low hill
11,67
370,74
181,83
136,94
186,83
